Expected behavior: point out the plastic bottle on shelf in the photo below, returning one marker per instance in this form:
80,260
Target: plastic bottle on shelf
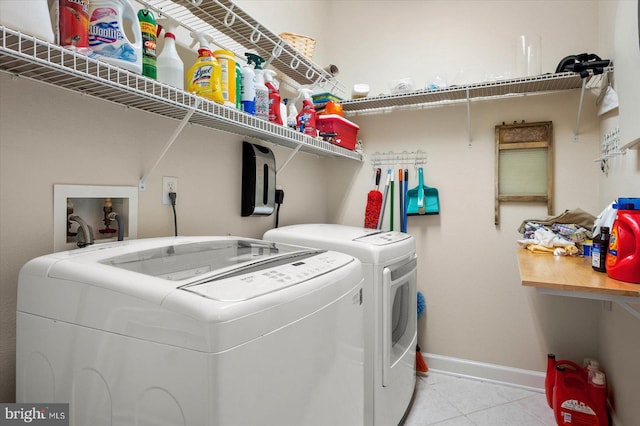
148,29
248,87
623,254
274,97
72,29
170,66
262,93
108,40
292,117
238,87
599,250
227,61
306,118
204,76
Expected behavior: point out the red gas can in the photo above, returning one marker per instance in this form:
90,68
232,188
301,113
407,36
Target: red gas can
623,256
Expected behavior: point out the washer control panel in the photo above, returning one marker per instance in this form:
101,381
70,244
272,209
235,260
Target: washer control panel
255,283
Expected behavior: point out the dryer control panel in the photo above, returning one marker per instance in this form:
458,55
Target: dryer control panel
383,238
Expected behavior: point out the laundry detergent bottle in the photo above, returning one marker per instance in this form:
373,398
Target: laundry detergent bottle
275,113
170,66
204,77
623,256
107,39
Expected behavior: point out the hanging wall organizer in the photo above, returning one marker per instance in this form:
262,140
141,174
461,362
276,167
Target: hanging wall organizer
391,159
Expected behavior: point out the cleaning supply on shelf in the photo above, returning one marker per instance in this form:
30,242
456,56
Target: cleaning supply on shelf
227,61
248,91
30,17
623,254
170,68
292,117
107,36
374,202
204,76
306,118
148,29
262,93
283,111
274,97
72,28
238,87
599,250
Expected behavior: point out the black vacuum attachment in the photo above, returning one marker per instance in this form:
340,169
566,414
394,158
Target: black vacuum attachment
582,63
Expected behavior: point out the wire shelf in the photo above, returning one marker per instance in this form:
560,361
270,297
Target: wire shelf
31,58
477,91
235,30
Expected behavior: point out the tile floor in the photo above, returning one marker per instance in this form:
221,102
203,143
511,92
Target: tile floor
447,400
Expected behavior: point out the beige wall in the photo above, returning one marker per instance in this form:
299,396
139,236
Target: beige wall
476,307
50,136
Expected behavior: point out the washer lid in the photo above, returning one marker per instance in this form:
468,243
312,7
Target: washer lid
204,259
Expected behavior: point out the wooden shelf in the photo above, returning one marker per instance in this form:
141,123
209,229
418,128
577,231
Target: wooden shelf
570,273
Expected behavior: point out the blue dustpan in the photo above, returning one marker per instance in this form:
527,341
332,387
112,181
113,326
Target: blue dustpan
422,199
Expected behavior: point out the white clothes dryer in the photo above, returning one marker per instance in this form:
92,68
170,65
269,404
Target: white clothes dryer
193,331
390,291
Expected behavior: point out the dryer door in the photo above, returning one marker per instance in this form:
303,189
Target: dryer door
399,315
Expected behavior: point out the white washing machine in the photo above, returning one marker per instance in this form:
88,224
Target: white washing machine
390,290
193,331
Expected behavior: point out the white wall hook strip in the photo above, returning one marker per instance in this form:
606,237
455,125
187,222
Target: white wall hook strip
405,158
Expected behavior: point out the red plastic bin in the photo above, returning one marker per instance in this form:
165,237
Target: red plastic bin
347,131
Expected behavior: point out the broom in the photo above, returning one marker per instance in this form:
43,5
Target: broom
374,204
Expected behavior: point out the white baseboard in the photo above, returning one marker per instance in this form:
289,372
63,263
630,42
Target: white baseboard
509,376
517,377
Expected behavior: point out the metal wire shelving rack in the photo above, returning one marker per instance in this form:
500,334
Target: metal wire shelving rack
429,98
235,30
28,57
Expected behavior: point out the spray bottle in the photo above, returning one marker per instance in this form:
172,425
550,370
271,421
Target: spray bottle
204,77
148,29
170,66
238,87
262,93
274,97
293,114
306,119
248,87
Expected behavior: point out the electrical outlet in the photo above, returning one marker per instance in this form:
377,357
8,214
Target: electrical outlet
169,184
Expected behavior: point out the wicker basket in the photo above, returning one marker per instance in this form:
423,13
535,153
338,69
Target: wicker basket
302,43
